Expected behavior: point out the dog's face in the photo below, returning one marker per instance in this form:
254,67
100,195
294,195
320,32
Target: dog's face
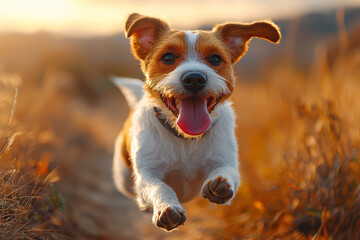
190,73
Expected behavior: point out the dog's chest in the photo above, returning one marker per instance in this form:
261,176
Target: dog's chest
185,187
185,168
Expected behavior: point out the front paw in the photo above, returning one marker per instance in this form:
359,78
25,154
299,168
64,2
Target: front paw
217,190
169,217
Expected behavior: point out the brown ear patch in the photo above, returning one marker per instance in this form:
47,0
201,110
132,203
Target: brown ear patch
144,31
237,35
129,22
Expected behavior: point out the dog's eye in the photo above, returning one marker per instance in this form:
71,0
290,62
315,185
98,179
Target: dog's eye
214,59
168,58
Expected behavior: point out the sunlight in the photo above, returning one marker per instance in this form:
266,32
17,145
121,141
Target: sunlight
80,17
89,17
57,16
23,14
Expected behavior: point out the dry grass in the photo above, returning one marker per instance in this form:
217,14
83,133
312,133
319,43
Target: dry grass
299,142
22,215
28,207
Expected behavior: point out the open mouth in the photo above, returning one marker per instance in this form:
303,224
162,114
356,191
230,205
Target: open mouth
192,112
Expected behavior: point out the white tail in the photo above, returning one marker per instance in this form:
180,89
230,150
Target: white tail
132,88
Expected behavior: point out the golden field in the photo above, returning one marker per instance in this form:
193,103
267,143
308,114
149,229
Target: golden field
298,130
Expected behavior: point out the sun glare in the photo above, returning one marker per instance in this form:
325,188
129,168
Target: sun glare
27,15
73,17
79,17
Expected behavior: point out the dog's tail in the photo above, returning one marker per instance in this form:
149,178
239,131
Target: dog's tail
132,89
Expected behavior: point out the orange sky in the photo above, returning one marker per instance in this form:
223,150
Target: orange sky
88,17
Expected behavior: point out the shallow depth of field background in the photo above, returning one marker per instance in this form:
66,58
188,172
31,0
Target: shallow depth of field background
298,122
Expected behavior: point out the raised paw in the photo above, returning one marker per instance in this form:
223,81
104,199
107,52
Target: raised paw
217,190
169,218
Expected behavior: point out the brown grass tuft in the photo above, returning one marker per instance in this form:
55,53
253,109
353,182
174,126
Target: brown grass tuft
28,207
299,143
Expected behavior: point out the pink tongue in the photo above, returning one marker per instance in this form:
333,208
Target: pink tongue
194,117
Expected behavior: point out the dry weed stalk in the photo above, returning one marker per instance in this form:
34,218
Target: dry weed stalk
18,197
27,207
326,174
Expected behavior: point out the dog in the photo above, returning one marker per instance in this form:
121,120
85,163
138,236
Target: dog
179,139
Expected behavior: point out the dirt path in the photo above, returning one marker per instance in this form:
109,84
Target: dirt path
97,210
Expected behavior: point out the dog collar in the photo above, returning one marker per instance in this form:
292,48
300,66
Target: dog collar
170,128
166,124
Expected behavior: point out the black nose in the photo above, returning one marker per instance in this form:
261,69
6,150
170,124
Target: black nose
194,81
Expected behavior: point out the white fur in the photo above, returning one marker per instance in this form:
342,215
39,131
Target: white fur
121,173
169,170
191,38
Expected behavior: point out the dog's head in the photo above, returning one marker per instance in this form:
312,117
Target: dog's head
190,73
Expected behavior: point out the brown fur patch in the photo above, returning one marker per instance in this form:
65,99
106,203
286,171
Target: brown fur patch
263,29
125,141
152,38
135,27
209,43
172,41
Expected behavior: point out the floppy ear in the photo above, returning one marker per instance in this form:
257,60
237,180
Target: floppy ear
144,31
237,35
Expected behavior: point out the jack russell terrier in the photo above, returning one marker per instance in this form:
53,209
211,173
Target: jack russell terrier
179,139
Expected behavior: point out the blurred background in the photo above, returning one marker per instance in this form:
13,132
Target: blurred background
297,106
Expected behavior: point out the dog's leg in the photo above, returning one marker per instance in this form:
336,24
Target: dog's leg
223,171
122,174
221,184
153,193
